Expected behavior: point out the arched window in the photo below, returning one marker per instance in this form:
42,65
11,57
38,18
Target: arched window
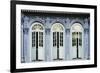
57,27
58,41
37,42
37,27
77,39
37,31
77,33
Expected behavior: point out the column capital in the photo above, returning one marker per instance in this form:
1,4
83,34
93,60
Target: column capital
47,30
25,30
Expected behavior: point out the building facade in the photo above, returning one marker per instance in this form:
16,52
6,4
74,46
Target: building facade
51,36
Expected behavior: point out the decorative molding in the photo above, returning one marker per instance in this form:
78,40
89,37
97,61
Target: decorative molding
67,31
86,30
25,30
47,31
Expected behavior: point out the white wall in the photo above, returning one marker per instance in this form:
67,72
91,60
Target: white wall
5,36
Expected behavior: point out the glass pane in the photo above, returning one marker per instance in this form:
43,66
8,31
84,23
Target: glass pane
41,39
37,27
33,39
74,34
57,27
54,39
80,38
61,38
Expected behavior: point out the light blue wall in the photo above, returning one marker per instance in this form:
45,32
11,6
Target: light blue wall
67,22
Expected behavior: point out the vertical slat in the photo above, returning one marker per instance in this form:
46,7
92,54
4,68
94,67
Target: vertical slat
36,45
57,45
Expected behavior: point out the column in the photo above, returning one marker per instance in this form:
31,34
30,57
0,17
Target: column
47,44
22,49
25,44
67,44
86,44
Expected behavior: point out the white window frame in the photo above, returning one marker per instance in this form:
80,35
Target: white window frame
30,37
57,23
71,31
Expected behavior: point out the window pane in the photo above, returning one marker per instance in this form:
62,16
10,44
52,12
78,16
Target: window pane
37,27
54,39
80,38
41,39
57,27
61,38
74,38
33,39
